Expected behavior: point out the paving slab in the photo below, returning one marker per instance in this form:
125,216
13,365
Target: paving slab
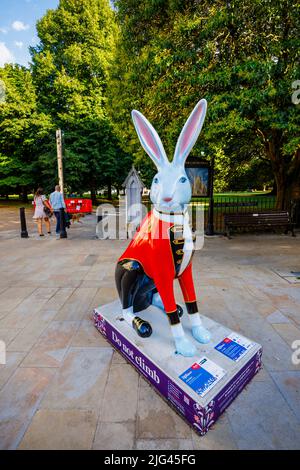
19,400
8,334
164,444
289,384
77,304
121,394
156,420
276,353
115,436
28,308
27,337
119,359
261,419
60,430
59,299
13,360
52,345
219,437
10,298
277,317
288,332
105,294
89,260
87,336
80,381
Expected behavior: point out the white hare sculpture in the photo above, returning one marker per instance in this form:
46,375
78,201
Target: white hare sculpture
162,249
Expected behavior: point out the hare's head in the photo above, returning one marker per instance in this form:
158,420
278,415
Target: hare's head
170,189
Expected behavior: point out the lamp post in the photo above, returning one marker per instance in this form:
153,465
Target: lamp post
210,226
59,145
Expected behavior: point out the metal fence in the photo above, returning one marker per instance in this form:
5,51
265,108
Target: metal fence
231,205
228,204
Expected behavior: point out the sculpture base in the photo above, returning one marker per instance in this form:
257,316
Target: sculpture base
200,387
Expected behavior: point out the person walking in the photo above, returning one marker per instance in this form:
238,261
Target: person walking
41,207
57,202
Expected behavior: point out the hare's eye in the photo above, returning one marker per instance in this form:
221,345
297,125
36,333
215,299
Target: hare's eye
182,179
155,180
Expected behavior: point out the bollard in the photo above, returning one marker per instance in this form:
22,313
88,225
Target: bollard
210,226
194,218
24,233
63,232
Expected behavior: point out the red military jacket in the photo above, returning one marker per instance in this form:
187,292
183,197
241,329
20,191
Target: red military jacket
158,247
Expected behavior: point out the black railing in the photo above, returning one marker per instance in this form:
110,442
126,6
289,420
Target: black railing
226,204
229,204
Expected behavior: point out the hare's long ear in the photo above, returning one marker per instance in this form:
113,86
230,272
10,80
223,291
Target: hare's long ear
190,133
149,139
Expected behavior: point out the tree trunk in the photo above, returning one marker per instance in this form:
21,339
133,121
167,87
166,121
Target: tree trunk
281,191
288,189
93,196
274,190
24,195
293,181
286,170
272,147
295,190
292,193
109,190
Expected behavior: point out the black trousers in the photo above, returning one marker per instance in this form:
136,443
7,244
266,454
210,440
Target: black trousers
57,216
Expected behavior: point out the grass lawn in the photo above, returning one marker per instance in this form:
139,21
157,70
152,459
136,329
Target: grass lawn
14,203
260,199
235,196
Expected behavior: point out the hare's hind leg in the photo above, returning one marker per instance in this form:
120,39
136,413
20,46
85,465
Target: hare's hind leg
157,302
128,276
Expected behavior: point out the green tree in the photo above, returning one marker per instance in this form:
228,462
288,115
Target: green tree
242,56
107,165
241,171
70,69
24,133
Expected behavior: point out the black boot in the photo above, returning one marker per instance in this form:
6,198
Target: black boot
142,327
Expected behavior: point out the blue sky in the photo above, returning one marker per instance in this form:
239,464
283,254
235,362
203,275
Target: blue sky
17,28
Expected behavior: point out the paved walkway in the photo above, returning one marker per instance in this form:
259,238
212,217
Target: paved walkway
63,386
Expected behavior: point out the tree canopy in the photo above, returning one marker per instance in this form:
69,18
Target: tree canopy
94,64
24,132
242,56
70,72
66,87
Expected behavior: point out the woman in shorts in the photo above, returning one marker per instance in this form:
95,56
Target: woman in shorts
41,202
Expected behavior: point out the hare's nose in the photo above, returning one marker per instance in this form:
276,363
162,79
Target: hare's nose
167,199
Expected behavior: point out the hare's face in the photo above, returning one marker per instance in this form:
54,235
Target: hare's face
171,189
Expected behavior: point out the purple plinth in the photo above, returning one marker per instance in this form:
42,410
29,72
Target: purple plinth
200,414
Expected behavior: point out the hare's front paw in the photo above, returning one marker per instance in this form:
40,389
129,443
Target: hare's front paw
201,334
185,347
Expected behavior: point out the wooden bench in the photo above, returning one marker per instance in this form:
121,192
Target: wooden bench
258,220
